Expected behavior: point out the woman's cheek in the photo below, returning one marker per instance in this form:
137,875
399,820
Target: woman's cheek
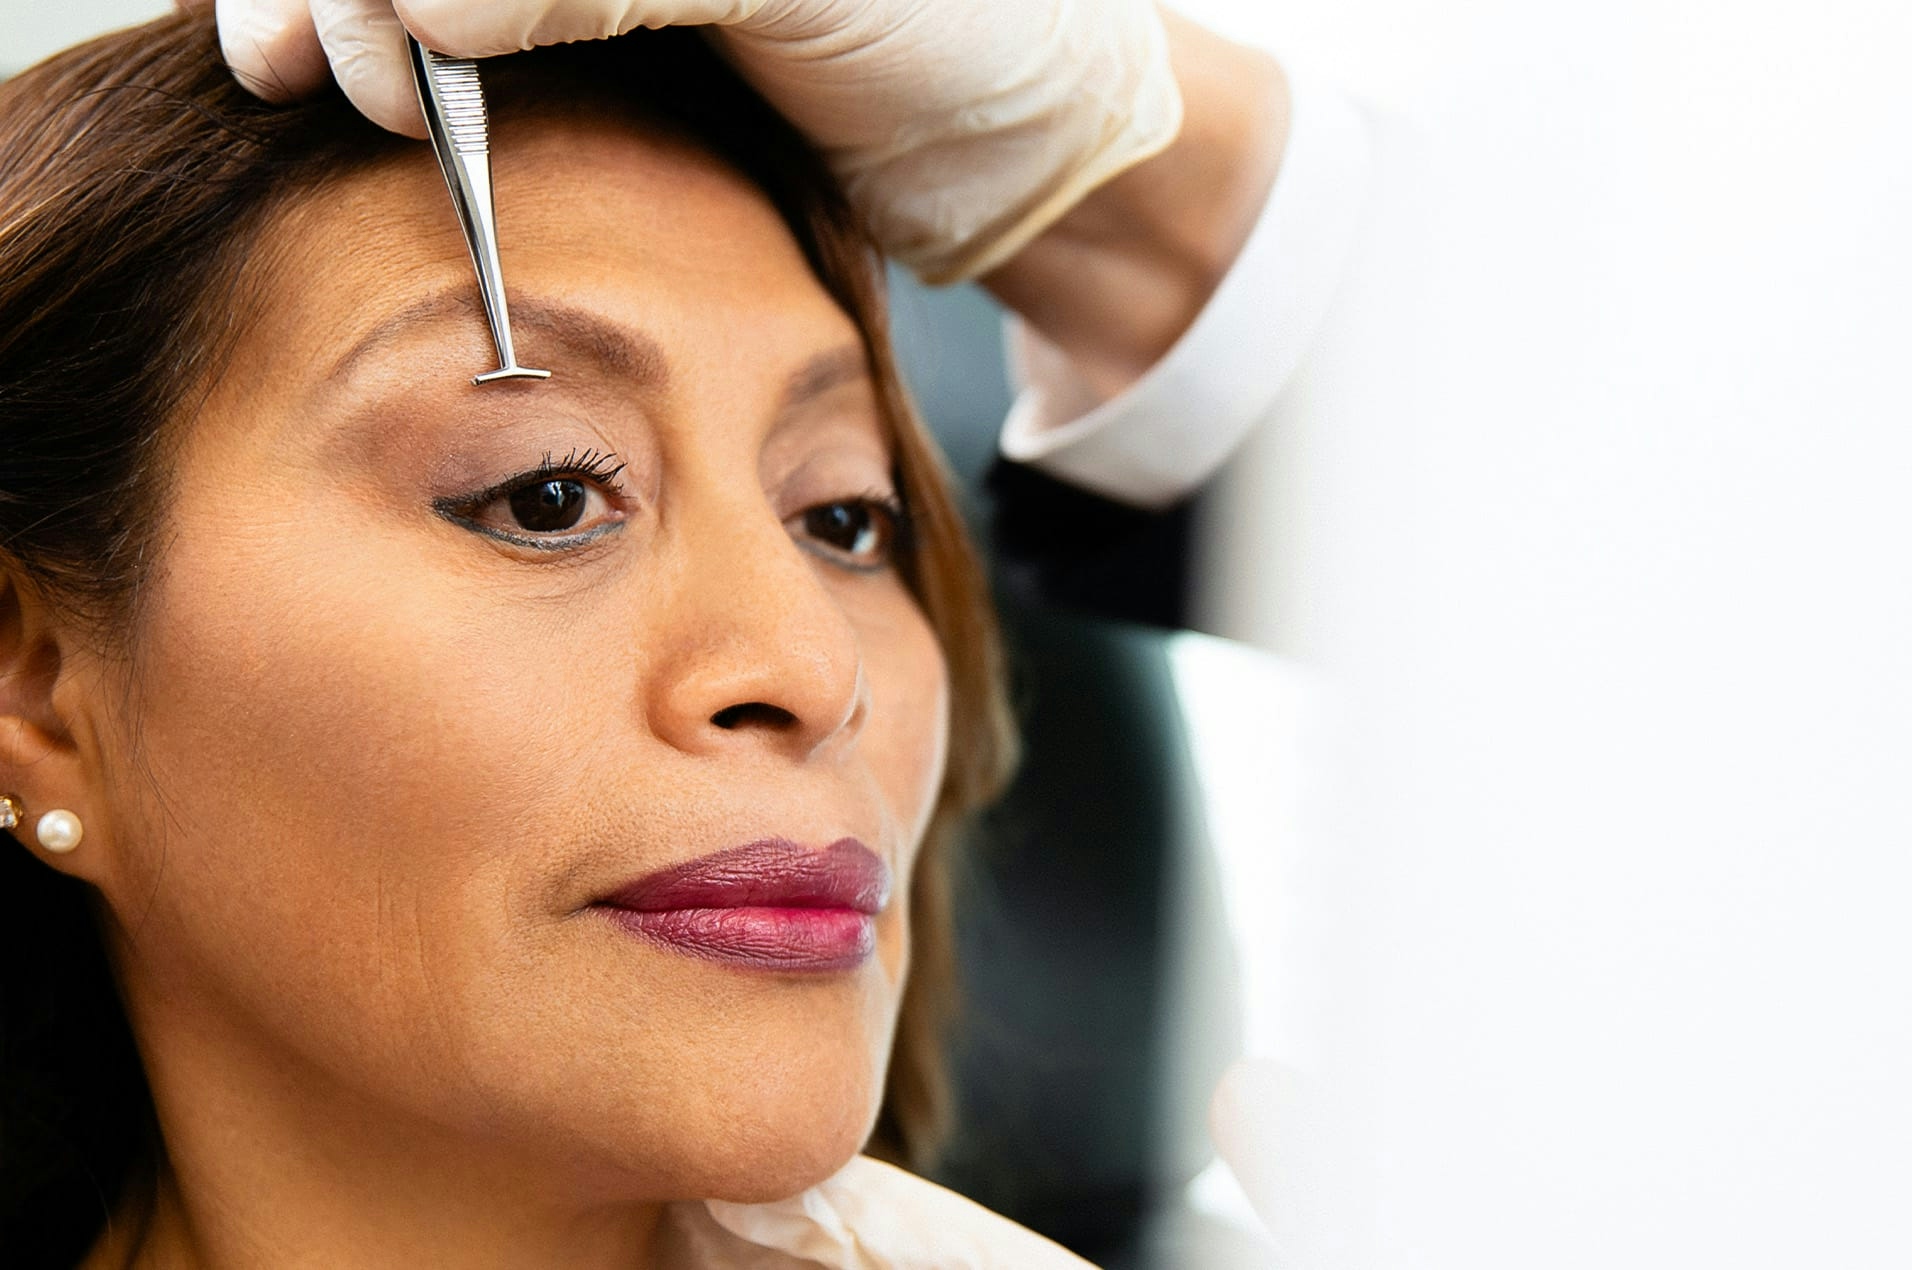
319,740
908,738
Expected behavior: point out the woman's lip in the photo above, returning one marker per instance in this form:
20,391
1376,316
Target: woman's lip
770,905
773,873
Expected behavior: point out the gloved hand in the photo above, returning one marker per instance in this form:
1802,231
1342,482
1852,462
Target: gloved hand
960,128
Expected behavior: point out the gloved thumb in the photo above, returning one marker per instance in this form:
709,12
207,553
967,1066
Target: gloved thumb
271,46
365,42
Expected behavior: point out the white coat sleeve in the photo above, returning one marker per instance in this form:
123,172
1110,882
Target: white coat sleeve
1167,433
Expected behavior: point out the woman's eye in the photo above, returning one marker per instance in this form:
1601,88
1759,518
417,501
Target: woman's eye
552,507
863,530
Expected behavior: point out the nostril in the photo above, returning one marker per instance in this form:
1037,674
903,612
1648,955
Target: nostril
758,713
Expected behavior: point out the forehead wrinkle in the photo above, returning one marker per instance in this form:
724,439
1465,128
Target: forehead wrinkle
612,349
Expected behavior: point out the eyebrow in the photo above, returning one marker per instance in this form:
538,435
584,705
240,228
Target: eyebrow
613,349
608,347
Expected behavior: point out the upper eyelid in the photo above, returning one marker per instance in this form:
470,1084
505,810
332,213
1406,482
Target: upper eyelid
890,501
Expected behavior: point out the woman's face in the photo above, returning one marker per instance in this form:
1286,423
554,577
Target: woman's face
428,674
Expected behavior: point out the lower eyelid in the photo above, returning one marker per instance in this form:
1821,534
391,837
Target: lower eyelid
550,545
832,556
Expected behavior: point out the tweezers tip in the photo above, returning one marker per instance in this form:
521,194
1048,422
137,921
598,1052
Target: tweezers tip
509,372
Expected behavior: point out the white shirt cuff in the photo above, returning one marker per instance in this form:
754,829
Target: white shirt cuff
1162,437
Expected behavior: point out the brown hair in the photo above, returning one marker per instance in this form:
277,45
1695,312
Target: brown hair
133,175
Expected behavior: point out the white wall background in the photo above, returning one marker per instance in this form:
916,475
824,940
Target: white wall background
30,29
1593,503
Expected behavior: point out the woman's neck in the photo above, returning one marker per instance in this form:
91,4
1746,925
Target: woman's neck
268,1166
202,1233
375,1222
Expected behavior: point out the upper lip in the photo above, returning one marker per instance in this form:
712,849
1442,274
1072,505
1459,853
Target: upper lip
771,873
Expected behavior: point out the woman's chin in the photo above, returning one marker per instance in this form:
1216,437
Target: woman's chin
768,1165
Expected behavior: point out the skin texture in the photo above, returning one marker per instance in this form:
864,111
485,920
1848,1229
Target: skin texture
351,803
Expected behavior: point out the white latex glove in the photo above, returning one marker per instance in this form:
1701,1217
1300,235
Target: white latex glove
960,128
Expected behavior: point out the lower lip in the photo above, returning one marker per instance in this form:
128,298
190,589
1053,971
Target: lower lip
806,939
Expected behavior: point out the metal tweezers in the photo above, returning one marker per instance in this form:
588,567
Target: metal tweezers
454,105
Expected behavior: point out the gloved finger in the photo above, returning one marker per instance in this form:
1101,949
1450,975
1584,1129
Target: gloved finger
463,29
272,47
365,43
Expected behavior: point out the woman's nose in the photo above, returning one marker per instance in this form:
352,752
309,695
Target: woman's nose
759,654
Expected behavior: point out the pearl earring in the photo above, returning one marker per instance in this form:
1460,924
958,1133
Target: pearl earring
60,831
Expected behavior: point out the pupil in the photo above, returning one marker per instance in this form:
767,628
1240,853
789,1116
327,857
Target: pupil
841,525
548,506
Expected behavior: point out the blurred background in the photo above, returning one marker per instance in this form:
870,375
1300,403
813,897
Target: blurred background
1536,790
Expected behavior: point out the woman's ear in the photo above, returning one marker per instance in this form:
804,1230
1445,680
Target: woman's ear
41,762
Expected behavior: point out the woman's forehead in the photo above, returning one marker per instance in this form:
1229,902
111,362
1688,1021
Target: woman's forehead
625,255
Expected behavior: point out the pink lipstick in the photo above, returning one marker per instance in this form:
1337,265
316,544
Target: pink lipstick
770,905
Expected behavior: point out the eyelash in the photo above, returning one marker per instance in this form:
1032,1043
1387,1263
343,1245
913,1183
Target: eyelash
599,466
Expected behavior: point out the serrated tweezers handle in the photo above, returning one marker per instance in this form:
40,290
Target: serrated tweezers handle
453,100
